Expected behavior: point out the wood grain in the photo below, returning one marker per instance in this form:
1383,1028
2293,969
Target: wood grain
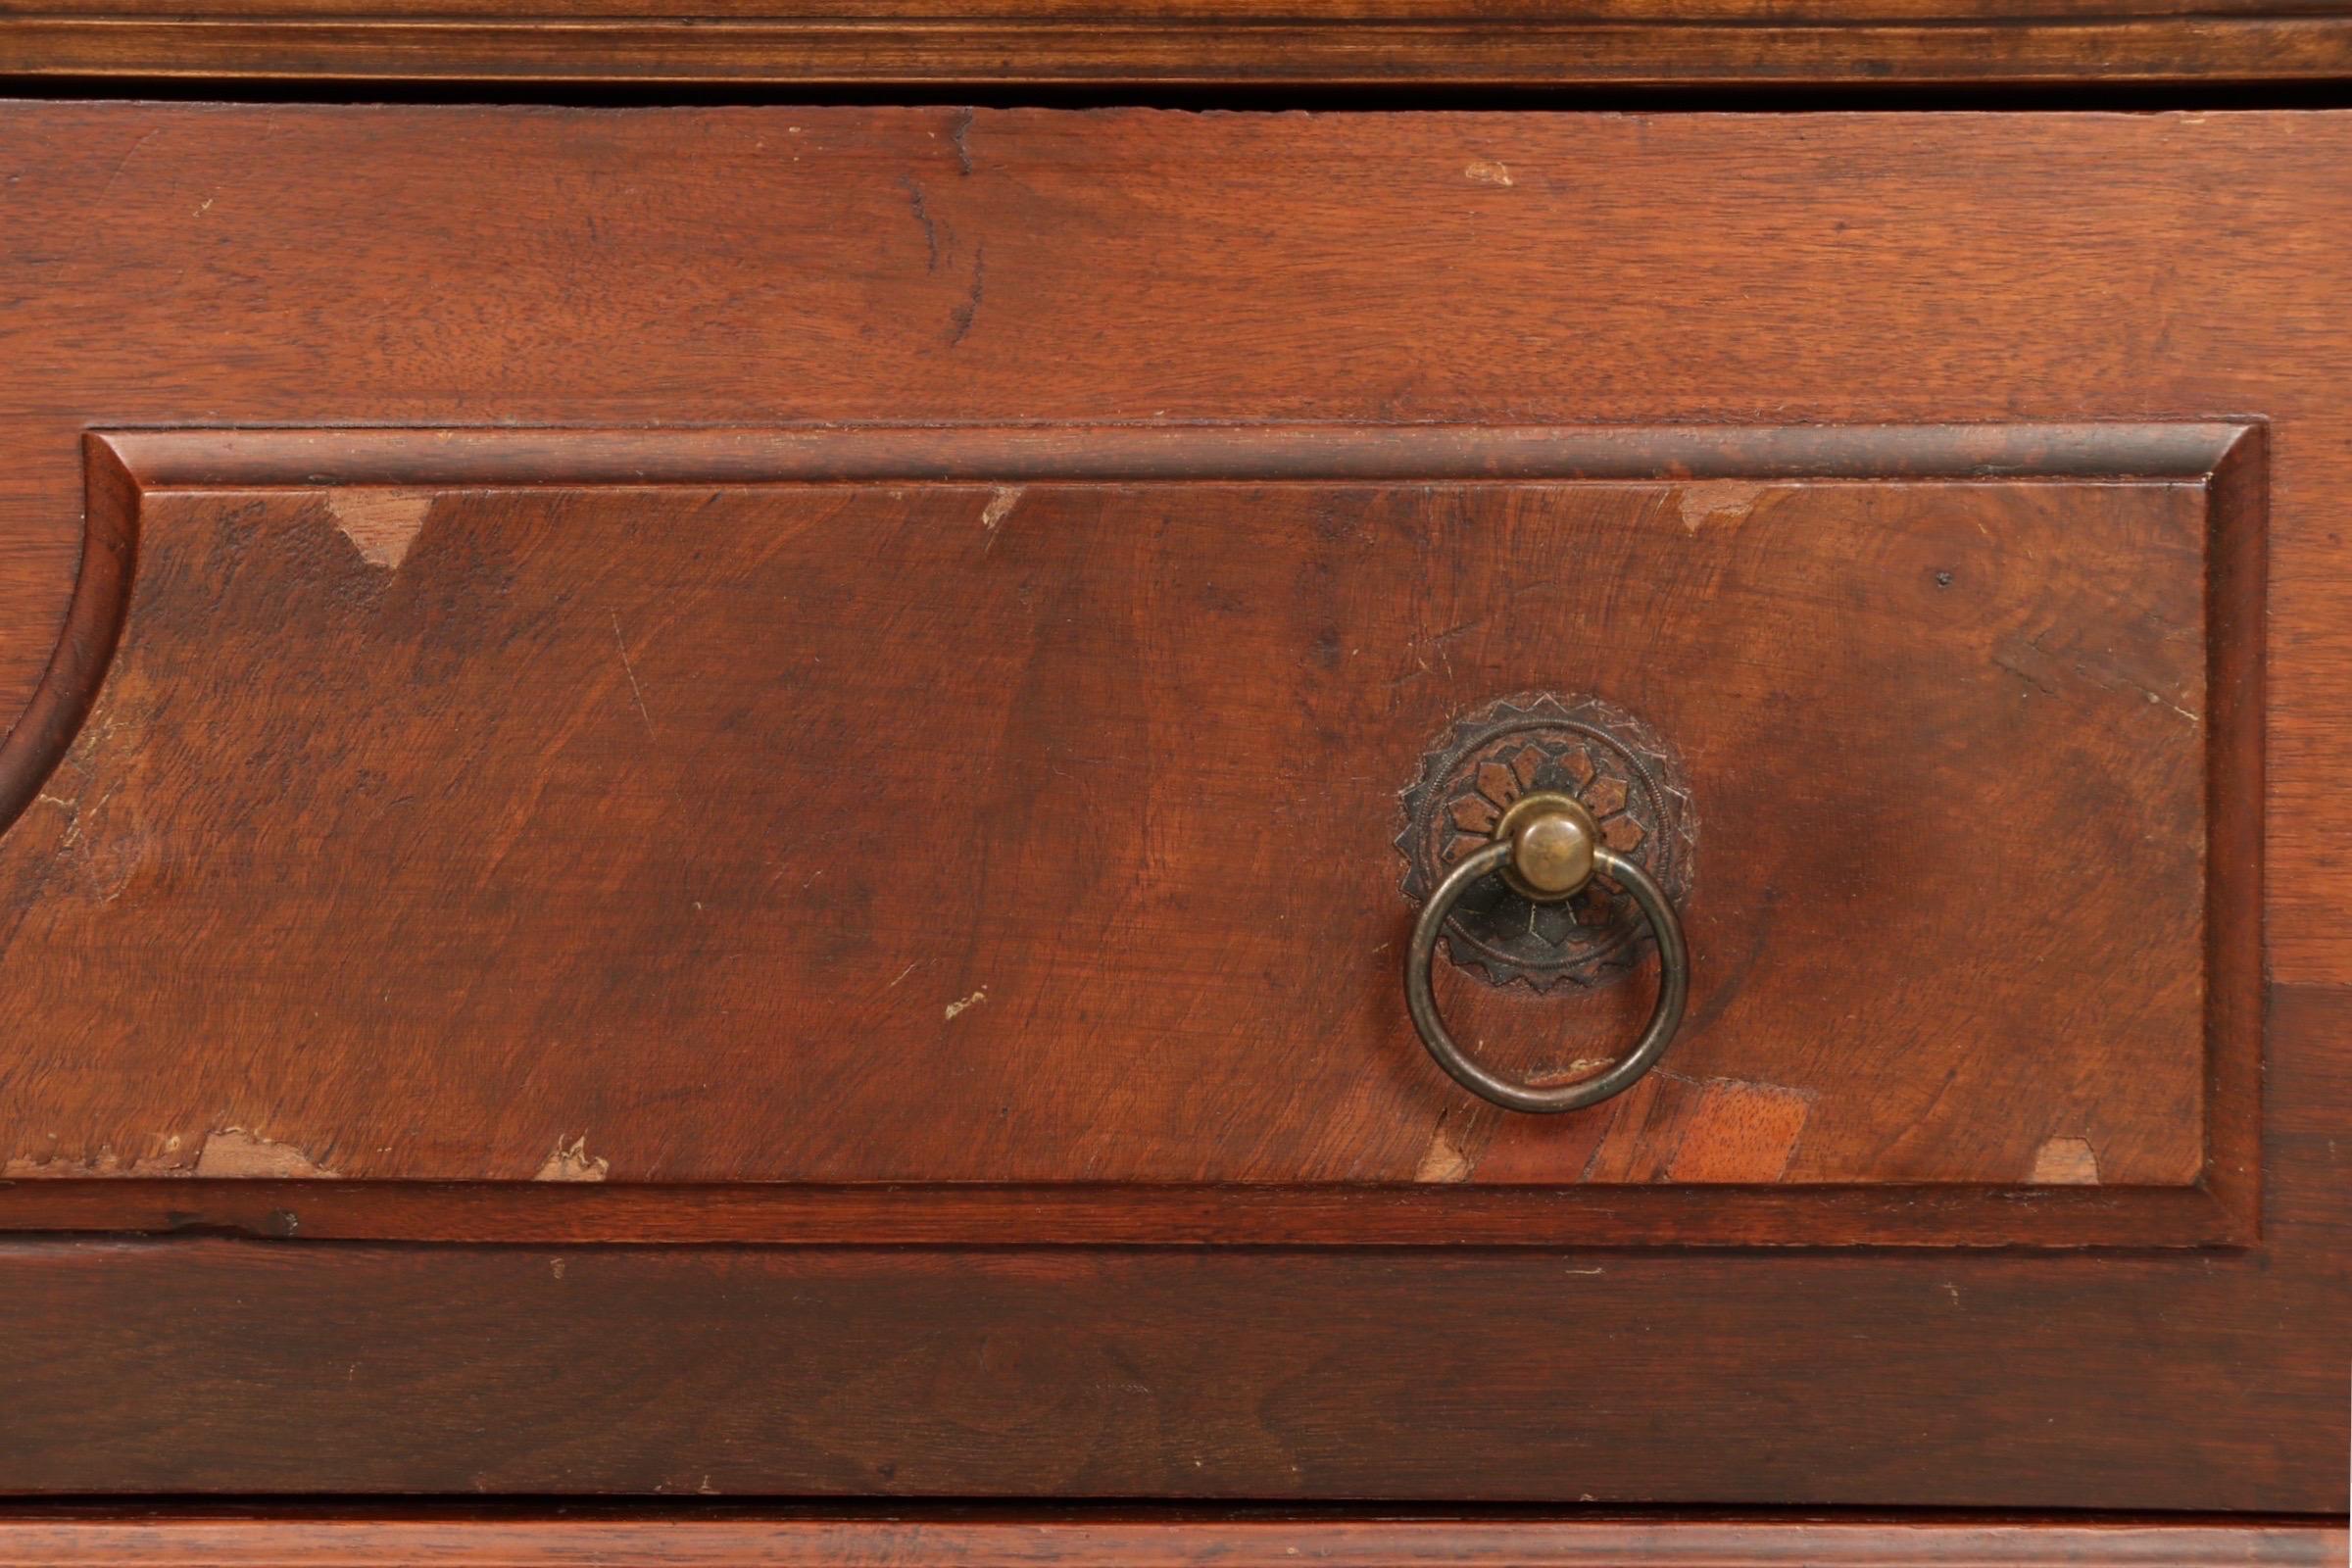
716,936
717,1537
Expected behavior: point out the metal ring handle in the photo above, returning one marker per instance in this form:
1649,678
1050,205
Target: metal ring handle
1673,986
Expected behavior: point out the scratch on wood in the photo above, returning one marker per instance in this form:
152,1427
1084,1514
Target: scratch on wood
1717,500
1488,173
960,319
961,137
955,1008
635,691
382,524
2035,661
573,1164
123,162
238,1152
2065,1162
922,216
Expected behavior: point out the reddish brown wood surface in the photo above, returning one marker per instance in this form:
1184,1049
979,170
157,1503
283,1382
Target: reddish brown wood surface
1241,42
715,1538
439,267
645,795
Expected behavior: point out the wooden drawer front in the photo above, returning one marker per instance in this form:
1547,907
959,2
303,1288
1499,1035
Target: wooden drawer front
855,679
1016,807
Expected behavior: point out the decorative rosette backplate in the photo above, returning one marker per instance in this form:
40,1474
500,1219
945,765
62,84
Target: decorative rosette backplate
1579,746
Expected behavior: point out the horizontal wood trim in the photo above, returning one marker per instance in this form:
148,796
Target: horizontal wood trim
1079,454
1213,13
1650,1215
1034,1540
1109,51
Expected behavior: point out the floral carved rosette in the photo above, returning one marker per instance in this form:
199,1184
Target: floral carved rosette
1578,746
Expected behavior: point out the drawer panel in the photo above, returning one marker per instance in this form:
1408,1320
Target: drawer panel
1020,808
472,494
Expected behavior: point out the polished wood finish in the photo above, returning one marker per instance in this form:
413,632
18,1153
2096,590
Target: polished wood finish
1250,43
601,917
719,1537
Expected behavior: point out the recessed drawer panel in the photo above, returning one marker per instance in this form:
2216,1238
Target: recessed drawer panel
1017,833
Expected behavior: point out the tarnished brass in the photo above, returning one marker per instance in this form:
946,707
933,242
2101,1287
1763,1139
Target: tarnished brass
1552,837
1504,930
1546,846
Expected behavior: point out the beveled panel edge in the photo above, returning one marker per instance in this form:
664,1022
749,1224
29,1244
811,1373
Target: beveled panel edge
2225,456
1032,1537
31,751
2237,966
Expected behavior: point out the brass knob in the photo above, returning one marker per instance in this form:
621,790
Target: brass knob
1546,848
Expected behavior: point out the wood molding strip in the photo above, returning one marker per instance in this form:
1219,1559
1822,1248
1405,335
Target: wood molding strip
1037,1540
1109,51
1082,454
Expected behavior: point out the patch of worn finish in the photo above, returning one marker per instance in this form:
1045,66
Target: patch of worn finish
2065,1162
1488,173
1740,1132
972,1000
236,1153
573,1164
1665,1128
1445,1160
1714,501
166,1161
382,524
1000,502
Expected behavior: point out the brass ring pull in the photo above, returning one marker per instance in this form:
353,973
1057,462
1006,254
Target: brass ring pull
1547,849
